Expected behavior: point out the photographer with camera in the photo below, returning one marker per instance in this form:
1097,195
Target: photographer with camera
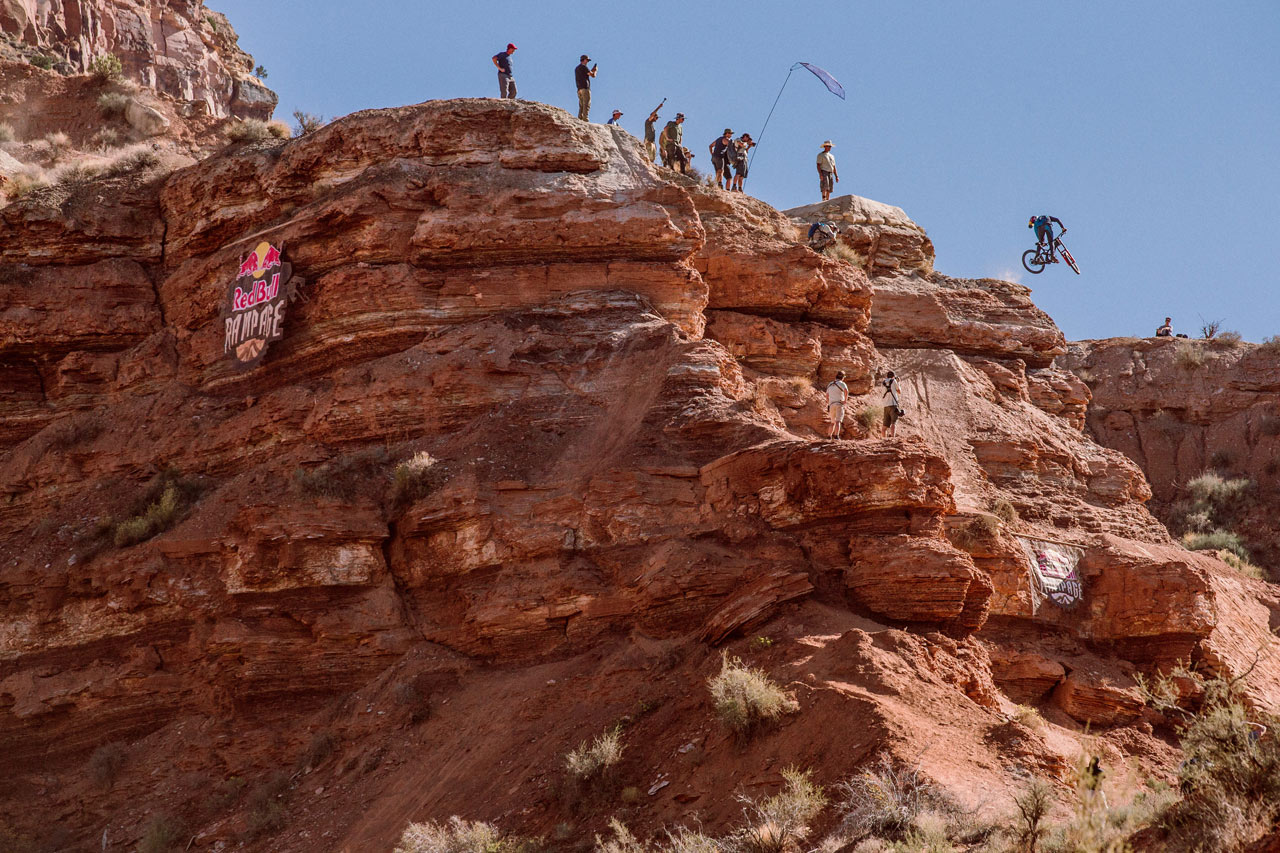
650,145
582,76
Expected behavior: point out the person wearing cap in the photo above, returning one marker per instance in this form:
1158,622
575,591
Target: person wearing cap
828,177
650,145
582,76
617,114
673,136
506,81
721,156
741,148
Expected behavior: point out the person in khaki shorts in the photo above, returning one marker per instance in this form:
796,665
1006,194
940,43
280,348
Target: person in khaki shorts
828,176
837,394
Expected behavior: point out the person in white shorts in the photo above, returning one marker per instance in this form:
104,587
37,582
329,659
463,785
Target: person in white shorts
837,393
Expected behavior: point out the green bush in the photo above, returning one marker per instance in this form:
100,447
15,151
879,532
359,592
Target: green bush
344,477
113,104
107,67
1215,540
167,498
6,132
746,697
44,61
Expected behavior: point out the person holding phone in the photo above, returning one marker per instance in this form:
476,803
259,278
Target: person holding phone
582,76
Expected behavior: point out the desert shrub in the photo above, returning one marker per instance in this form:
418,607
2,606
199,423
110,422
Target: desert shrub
306,123
1270,345
410,696
1223,457
167,498
593,759
746,697
1230,779
113,104
279,130
415,478
1189,357
320,748
1242,565
1226,340
25,182
6,132
44,61
260,72
163,833
1029,717
75,430
107,67
844,252
106,138
1030,823
981,528
247,130
57,144
457,836
105,763
344,477
266,806
870,417
133,161
1215,540
761,643
1197,521
76,175
1221,498
887,800
780,822
1005,511
1168,423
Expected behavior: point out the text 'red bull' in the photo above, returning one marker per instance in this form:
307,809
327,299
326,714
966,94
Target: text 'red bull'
258,292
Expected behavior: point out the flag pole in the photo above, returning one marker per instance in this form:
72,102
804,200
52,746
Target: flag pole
752,158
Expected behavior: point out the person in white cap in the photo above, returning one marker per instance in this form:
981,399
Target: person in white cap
617,114
828,177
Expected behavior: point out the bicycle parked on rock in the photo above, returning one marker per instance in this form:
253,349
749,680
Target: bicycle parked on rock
1036,259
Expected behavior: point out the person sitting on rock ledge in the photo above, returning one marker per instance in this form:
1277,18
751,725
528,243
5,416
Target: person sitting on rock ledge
822,234
837,394
893,411
1165,331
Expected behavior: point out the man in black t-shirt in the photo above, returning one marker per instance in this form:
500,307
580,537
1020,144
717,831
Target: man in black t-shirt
722,157
506,80
582,76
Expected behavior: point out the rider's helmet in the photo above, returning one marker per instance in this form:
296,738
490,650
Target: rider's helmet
1031,222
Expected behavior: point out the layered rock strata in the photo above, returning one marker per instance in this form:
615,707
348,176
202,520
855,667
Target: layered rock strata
539,439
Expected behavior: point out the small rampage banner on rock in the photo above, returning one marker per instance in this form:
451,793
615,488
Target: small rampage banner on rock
1053,572
254,309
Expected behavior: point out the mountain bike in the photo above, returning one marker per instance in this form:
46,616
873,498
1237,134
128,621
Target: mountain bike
1035,259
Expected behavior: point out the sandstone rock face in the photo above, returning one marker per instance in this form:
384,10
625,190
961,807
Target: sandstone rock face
1182,408
883,235
541,439
181,49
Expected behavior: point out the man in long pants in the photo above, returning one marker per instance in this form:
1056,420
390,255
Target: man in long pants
582,76
506,80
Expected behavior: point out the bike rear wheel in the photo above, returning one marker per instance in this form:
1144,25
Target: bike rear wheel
1032,261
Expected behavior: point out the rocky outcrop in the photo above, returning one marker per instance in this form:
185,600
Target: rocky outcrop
540,441
886,240
180,49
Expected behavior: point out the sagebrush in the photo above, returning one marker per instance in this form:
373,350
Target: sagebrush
746,697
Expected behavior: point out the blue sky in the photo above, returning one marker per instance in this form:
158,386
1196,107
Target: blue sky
1151,129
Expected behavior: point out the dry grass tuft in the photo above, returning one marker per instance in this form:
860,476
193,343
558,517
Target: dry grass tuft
1005,511
344,477
105,763
113,104
415,478
1190,356
6,132
456,836
593,759
746,697
781,822
163,833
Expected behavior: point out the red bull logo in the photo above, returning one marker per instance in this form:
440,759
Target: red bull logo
256,301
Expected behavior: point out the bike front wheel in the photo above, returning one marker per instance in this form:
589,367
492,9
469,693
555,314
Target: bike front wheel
1066,256
1031,260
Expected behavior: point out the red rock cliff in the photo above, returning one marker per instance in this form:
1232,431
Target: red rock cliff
618,374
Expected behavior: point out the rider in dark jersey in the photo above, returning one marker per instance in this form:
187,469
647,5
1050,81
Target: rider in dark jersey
1044,231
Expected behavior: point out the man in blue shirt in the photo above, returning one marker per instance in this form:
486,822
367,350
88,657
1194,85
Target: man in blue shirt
506,81
1044,231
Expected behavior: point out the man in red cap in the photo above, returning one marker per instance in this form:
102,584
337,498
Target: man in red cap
506,80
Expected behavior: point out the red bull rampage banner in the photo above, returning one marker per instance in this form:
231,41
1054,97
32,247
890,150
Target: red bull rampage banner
255,305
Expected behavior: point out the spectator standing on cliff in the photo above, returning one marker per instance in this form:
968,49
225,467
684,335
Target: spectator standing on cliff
506,79
1165,331
673,133
741,149
617,114
828,176
650,146
837,395
893,410
582,77
721,158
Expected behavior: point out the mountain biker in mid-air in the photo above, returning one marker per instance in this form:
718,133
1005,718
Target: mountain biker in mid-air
1044,231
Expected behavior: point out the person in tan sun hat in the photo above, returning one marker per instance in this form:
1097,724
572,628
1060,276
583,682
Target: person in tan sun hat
828,177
